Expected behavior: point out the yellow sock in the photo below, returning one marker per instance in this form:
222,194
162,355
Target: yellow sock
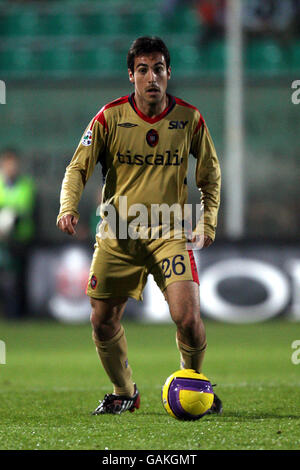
113,356
191,358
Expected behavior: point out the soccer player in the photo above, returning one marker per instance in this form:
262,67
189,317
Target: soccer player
143,141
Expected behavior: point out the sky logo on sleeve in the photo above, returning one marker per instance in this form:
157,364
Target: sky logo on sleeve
87,138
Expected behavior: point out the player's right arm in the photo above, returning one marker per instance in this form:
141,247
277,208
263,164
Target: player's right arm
78,172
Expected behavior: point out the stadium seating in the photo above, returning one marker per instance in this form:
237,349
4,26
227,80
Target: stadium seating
40,36
18,24
295,56
266,56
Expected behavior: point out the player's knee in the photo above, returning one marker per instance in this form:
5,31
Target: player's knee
100,319
189,323
94,319
103,328
104,320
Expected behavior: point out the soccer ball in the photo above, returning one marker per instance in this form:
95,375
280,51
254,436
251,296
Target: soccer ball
187,395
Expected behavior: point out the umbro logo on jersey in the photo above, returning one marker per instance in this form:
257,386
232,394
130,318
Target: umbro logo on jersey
127,125
177,124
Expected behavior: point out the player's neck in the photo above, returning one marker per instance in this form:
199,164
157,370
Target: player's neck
151,109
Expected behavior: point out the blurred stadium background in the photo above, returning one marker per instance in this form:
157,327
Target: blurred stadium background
62,60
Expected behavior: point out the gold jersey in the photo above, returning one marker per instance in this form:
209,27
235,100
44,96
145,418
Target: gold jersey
145,159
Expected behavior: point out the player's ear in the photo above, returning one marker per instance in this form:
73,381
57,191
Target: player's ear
131,77
169,73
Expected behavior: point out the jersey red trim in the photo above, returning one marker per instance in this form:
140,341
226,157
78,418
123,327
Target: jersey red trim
199,125
188,105
117,102
156,118
193,267
100,116
184,103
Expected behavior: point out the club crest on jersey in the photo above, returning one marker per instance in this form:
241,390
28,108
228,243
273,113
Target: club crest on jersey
93,281
152,137
87,139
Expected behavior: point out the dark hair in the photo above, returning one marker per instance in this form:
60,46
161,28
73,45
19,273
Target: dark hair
146,45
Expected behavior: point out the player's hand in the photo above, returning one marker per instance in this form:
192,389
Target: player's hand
201,241
67,224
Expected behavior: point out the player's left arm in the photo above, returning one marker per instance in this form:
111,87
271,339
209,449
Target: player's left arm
208,179
77,174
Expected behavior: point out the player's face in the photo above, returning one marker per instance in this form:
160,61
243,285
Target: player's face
150,77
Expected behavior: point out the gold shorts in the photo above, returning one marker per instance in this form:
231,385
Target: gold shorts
122,270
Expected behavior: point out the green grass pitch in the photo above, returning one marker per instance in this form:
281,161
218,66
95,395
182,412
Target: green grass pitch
52,380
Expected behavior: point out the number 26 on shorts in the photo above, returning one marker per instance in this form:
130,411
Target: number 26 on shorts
175,265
